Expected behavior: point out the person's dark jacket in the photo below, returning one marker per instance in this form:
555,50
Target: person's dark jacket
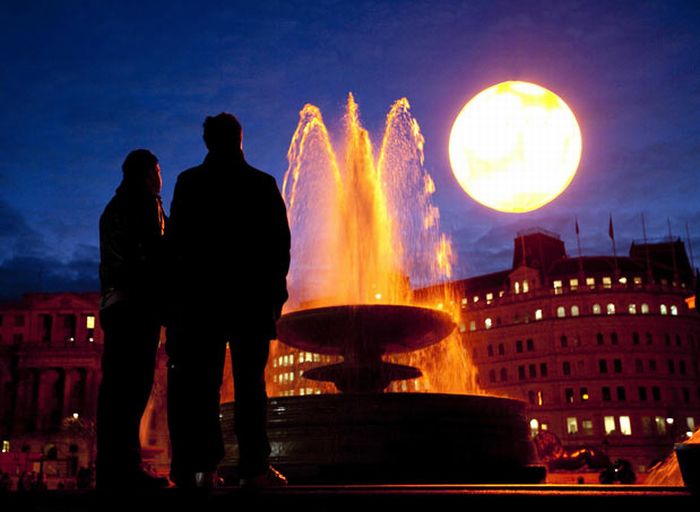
229,241
131,246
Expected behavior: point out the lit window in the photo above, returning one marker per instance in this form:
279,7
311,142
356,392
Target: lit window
378,296
610,309
587,427
544,426
660,425
274,363
571,426
291,376
291,359
464,302
623,280
90,322
488,323
632,309
663,309
280,360
674,310
596,309
625,426
6,446
501,293
538,314
286,360
462,327
557,287
317,358
609,424
534,426
472,325
561,312
526,287
690,421
590,282
516,287
607,282
274,378
575,311
475,298
569,395
637,281
573,284
540,398
645,309
584,395
309,357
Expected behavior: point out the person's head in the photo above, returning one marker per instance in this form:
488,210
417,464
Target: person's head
141,168
223,133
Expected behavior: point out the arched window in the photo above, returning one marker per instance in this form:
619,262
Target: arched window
575,310
596,309
516,287
610,309
488,323
663,309
645,309
504,374
561,312
632,309
674,310
526,287
599,338
538,314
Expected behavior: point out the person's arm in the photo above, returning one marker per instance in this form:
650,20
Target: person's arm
280,249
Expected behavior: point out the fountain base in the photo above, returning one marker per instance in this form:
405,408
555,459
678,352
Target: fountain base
394,438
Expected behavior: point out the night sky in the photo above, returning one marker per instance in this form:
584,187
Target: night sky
83,83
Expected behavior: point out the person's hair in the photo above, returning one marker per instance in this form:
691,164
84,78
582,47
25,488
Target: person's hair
137,164
222,132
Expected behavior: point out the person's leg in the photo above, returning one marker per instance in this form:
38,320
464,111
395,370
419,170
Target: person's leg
249,356
195,371
128,365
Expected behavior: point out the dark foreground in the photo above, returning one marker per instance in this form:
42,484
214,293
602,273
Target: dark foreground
413,497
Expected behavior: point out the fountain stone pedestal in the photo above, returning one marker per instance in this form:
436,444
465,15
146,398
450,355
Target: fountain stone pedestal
365,436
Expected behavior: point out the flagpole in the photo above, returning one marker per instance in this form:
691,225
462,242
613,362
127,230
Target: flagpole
611,233
650,274
580,257
676,277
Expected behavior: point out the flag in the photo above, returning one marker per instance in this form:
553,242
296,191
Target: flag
611,232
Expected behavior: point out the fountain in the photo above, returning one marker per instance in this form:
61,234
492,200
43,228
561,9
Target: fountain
362,232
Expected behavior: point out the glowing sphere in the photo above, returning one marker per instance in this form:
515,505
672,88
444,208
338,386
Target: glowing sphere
515,147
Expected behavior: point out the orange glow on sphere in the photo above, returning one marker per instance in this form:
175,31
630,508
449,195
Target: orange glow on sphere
515,146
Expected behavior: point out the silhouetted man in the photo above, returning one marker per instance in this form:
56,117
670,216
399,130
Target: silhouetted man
229,242
131,236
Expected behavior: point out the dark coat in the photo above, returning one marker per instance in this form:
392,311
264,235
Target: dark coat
131,246
229,241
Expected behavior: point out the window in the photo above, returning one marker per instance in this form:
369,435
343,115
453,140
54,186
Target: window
504,374
606,394
625,426
642,394
635,338
5,446
538,314
543,369
590,282
566,368
521,372
613,338
674,310
610,309
587,427
557,287
564,341
663,309
656,393
575,310
607,282
531,397
639,366
632,309
617,365
599,338
540,398
519,346
678,340
492,376
534,426
465,301
671,366
660,425
530,344
532,371
650,338
584,394
637,281
501,349
645,309
686,395
569,395
667,339
488,323
609,424
652,365
19,320
681,367
489,298
573,284
475,299
596,309
622,280
472,325
646,425
526,287
571,426
516,287
561,312
690,421
603,366
489,350
621,394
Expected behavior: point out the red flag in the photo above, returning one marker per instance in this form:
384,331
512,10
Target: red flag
611,232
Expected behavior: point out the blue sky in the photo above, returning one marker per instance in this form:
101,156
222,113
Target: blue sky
83,83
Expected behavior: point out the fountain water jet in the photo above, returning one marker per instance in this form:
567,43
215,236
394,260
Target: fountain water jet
363,231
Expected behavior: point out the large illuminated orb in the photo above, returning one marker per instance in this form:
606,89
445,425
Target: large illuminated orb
515,146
